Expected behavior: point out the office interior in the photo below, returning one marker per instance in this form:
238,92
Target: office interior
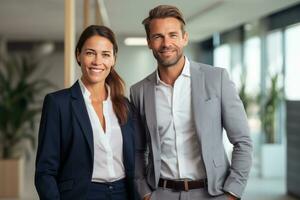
257,41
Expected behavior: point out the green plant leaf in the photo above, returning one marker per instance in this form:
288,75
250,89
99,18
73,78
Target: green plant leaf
20,100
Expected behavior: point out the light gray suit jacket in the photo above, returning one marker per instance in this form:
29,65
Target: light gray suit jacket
216,105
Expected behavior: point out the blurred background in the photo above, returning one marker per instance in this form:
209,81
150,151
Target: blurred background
257,41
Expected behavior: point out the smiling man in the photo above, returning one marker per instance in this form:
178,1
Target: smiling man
183,108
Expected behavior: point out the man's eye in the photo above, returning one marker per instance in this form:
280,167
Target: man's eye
106,55
156,37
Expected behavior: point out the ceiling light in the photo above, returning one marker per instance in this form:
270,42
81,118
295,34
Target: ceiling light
135,41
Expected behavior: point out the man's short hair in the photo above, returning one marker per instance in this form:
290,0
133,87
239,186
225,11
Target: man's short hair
163,11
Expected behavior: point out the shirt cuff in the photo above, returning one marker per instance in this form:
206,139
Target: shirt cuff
231,193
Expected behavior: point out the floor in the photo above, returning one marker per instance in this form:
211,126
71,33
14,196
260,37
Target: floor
266,189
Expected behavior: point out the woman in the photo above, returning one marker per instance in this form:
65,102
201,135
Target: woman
86,146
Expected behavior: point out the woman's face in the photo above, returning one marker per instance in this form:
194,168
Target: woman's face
96,59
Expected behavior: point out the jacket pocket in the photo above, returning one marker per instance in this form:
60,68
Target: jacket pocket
65,185
219,161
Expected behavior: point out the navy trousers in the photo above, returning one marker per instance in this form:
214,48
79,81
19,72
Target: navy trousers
108,191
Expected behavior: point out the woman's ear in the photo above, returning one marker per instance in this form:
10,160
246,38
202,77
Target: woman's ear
78,57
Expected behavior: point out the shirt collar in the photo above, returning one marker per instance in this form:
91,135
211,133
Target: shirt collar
185,71
86,93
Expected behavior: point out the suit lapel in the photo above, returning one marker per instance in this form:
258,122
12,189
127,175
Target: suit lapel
128,145
198,96
81,114
124,132
150,109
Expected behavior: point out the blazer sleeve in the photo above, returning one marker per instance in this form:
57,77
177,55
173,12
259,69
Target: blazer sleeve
140,151
48,153
236,125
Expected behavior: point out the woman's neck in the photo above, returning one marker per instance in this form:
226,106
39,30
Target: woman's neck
98,90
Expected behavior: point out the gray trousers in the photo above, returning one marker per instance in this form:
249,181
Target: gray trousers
195,194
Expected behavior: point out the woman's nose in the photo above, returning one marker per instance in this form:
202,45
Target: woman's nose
97,59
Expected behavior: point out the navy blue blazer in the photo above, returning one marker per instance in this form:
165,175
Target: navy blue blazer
64,161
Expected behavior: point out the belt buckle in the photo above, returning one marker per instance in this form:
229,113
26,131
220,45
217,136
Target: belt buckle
186,185
164,184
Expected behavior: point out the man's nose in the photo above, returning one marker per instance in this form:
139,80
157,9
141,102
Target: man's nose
166,42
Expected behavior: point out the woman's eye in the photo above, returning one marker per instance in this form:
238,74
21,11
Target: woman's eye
90,53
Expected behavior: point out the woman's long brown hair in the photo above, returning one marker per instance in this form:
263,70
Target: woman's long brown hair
117,87
115,82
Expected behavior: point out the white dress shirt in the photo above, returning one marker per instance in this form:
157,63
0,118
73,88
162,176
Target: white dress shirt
108,146
180,150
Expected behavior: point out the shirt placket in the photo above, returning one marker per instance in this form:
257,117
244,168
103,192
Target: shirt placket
176,121
109,154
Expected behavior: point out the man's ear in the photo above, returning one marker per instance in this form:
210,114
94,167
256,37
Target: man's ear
149,43
185,38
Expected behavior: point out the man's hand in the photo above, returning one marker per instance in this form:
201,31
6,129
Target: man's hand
231,197
147,197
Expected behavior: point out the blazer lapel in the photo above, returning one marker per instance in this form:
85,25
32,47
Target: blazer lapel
81,114
128,145
198,96
124,132
150,107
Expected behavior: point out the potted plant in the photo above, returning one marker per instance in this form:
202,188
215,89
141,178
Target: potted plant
268,113
21,89
268,110
245,98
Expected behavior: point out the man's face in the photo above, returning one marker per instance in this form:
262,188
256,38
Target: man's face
166,40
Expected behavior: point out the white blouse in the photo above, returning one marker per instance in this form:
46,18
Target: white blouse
108,146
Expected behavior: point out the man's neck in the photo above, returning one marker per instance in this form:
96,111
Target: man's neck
169,74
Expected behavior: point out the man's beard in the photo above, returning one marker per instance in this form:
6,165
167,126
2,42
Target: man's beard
167,62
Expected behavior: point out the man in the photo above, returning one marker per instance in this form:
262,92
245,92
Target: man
182,108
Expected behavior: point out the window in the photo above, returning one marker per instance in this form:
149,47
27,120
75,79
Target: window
252,59
275,57
222,56
292,68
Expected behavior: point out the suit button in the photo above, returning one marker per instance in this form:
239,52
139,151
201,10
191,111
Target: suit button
110,187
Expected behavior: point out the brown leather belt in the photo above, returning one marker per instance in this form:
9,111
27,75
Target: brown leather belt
182,185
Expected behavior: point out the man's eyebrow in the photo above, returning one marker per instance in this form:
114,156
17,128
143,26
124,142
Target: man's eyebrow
156,34
106,51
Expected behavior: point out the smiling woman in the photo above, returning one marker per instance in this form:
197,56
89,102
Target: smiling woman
96,60
86,148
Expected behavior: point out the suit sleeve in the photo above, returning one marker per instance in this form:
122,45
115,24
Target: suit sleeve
140,151
236,125
48,153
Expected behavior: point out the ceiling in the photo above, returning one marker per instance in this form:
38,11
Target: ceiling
44,19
